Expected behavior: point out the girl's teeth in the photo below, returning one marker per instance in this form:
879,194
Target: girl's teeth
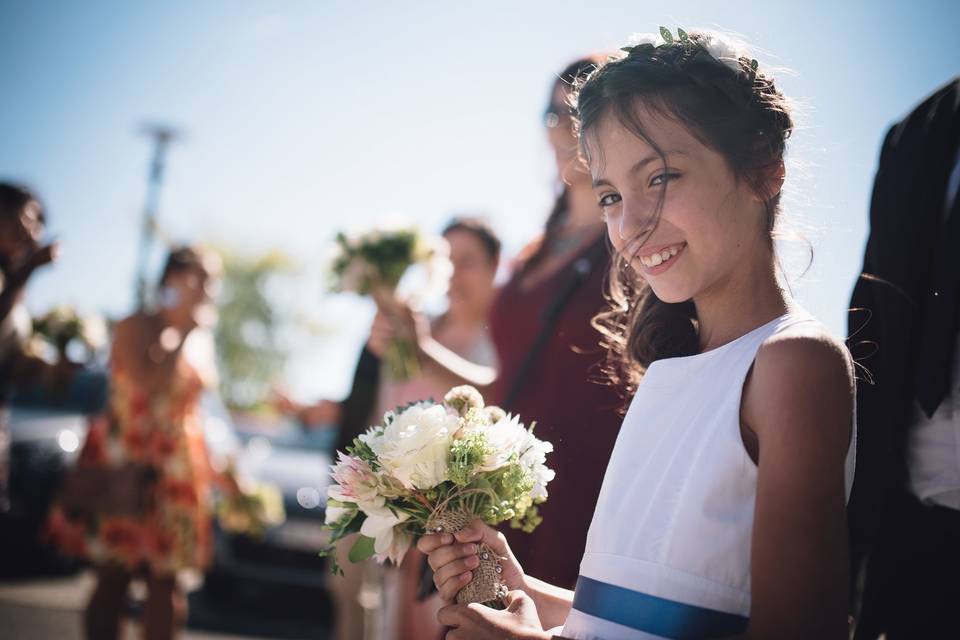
656,259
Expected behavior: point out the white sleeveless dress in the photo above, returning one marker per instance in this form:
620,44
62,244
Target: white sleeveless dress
668,552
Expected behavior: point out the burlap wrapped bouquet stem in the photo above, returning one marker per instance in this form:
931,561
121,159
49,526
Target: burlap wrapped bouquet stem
485,586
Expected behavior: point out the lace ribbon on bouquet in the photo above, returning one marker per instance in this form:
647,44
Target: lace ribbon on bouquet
485,587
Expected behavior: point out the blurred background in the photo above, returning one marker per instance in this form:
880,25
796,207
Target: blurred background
278,124
300,117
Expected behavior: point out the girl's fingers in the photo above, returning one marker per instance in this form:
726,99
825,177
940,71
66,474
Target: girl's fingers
448,553
449,616
478,531
448,590
456,570
429,543
470,533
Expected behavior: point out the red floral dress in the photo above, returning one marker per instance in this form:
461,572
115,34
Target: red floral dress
163,430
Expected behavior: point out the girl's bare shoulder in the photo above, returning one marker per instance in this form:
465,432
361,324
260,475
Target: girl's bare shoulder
802,382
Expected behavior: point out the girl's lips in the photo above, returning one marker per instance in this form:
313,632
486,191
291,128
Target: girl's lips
666,264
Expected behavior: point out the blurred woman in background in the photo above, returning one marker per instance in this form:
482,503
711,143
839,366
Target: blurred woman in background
401,615
548,351
22,223
475,254
151,438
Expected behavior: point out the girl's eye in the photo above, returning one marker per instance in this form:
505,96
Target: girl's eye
663,178
609,200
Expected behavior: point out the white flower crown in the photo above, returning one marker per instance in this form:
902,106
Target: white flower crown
733,55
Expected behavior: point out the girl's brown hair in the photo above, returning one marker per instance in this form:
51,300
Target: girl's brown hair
730,108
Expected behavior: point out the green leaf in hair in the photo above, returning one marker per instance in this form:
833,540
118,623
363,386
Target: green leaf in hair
666,35
683,35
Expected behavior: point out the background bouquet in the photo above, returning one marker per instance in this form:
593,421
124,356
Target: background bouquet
374,262
61,326
251,509
433,468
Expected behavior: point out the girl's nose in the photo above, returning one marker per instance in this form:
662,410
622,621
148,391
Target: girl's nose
636,222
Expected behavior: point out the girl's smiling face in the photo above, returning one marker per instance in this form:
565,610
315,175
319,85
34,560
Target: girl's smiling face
682,220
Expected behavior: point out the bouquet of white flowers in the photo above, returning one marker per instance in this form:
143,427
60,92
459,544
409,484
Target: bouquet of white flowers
432,468
373,263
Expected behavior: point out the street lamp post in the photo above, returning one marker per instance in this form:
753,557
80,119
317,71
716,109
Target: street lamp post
162,136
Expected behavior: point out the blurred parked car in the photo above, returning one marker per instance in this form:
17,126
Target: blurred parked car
297,462
46,433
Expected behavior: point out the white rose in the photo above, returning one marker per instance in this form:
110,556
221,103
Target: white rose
724,51
388,543
413,448
506,437
534,460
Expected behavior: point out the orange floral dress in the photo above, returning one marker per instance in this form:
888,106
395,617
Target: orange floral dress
162,430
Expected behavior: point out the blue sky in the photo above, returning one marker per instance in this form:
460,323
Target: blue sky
302,117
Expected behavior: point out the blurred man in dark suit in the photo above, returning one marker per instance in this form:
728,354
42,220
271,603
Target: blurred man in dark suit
903,327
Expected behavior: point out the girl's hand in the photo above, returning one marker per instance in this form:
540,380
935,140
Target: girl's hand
478,622
454,557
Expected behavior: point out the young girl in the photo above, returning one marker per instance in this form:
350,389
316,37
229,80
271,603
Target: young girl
722,511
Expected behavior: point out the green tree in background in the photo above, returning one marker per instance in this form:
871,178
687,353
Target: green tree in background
246,335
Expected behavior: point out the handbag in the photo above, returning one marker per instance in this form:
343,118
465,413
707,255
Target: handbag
125,490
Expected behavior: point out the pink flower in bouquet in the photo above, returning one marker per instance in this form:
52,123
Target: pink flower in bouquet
354,481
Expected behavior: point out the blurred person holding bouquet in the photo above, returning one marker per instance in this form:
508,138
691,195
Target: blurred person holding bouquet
475,257
474,253
22,253
153,517
547,349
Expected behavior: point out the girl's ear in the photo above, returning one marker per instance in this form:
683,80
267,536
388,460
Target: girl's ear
770,181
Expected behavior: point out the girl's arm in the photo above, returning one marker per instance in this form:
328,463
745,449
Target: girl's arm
553,602
798,402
